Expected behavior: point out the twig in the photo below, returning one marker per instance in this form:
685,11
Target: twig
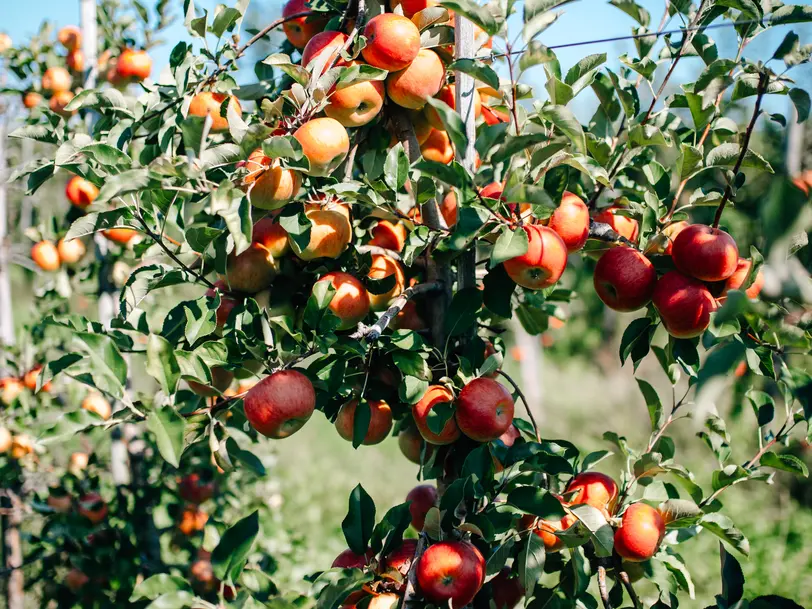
379,251
602,587
600,231
627,584
411,579
373,332
762,87
524,401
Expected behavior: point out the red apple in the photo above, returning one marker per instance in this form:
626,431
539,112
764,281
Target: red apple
350,560
543,263
624,279
641,531
280,404
484,409
736,281
595,489
709,254
194,489
623,226
684,304
401,558
435,394
571,221
411,444
423,497
380,421
324,47
507,589
451,571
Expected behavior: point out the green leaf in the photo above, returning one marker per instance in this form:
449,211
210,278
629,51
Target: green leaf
537,501
462,313
732,577
168,427
517,143
360,422
653,403
229,557
359,522
785,462
438,416
412,389
480,15
763,405
233,206
452,122
531,563
636,340
107,366
179,599
722,526
567,123
600,532
511,243
726,155
477,69
97,221
801,100
580,75
105,154
162,583
396,167
690,161
162,364
224,20
633,10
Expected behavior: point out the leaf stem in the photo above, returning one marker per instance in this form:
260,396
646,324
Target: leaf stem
524,401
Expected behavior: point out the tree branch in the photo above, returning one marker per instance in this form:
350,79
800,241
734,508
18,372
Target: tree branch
373,332
524,401
762,88
602,587
600,231
627,584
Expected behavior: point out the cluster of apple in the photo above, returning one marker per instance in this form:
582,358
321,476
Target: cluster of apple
707,266
454,571
58,81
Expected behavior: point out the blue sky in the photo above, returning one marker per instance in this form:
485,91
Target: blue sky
582,20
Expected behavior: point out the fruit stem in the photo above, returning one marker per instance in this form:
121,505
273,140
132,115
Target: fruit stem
762,88
524,401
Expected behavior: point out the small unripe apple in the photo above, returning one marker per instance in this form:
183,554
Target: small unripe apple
78,462
192,520
543,263
21,445
70,37
72,251
435,395
10,388
134,65
451,572
56,79
684,304
624,279
280,404
422,498
641,531
484,409
706,253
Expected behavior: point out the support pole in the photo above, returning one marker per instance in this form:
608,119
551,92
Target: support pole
795,144
6,311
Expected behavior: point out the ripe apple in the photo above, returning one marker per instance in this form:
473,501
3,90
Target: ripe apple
448,94
78,462
663,243
323,48
357,104
10,388
508,439
380,421
32,99
325,143
448,208
393,42
70,37
595,489
706,253
411,444
75,60
280,404
72,251
350,560
300,30
389,235
208,103
400,559
543,263
269,185
350,303
409,318
75,580
192,520
412,86
46,256
59,100
623,226
95,403
56,79
227,303
272,236
422,498
484,409
59,501
252,270
438,148
492,116
451,571
92,507
624,279
507,589
194,489
571,221
435,394
134,65
546,529
30,379
330,232
5,440
641,531
383,267
122,236
736,281
21,445
202,572
684,304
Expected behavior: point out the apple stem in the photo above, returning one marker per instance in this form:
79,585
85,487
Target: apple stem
524,401
763,80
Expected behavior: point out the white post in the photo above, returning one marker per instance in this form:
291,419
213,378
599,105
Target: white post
795,143
6,312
